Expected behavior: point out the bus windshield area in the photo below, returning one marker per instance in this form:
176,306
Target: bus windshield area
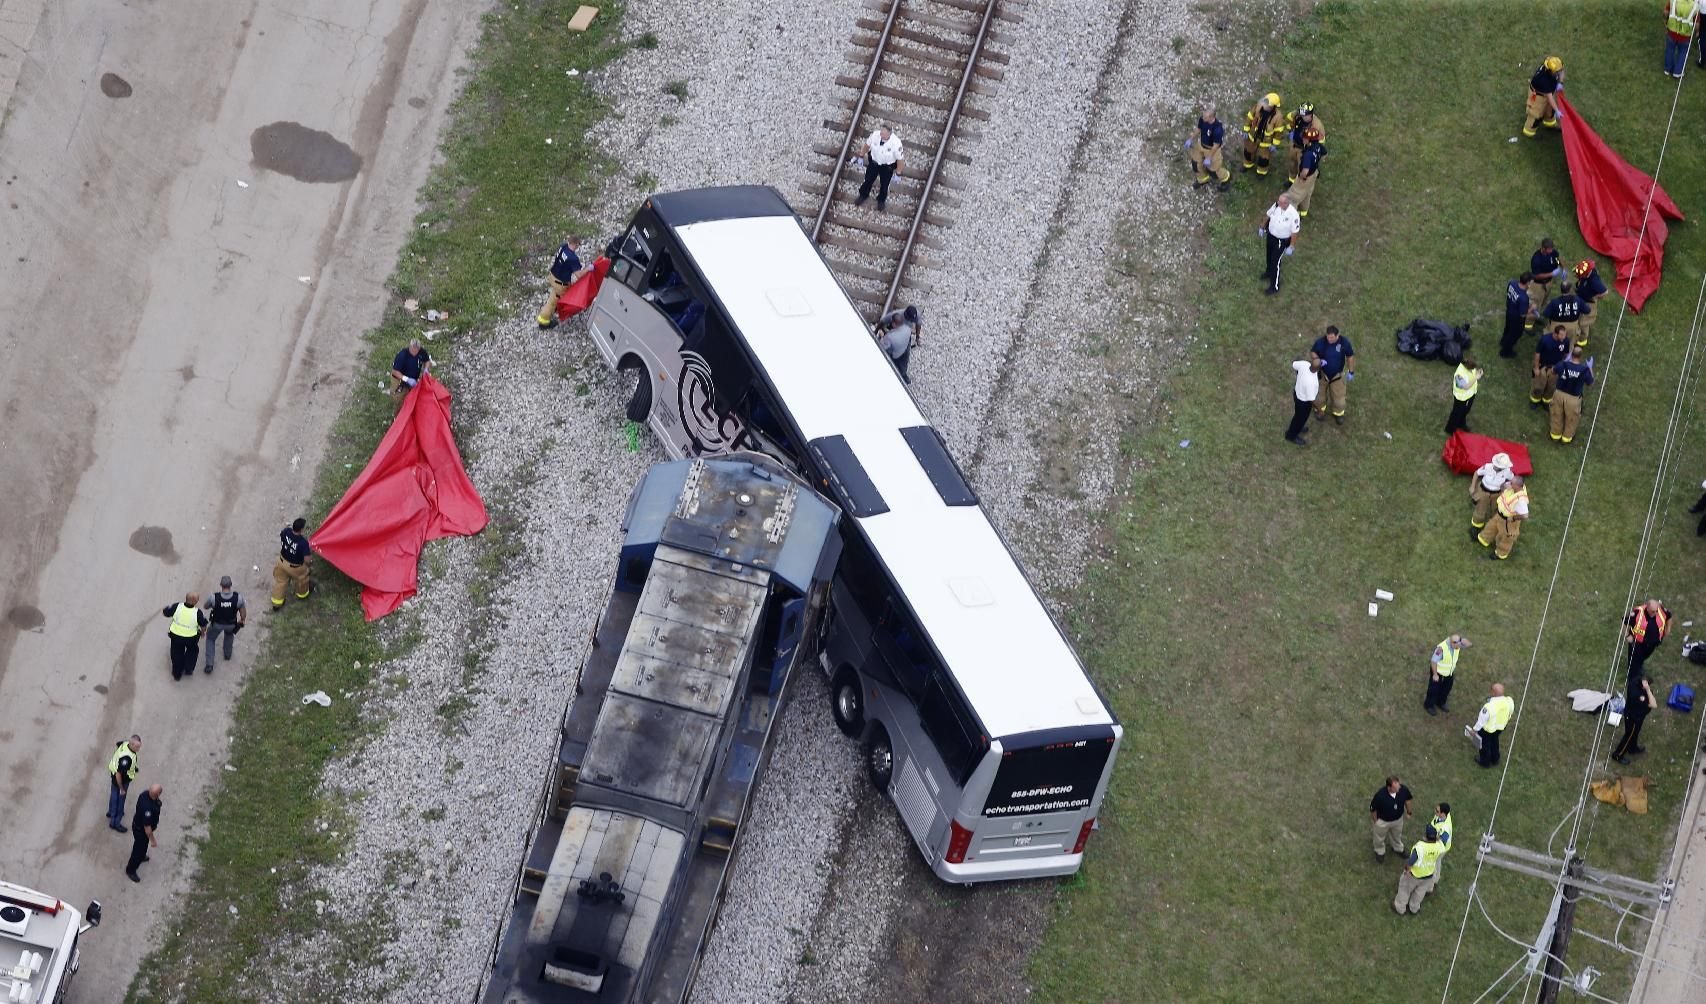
1059,777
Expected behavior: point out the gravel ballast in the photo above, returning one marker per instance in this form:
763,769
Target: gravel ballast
1031,367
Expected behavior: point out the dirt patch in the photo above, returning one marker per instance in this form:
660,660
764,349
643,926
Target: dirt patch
154,541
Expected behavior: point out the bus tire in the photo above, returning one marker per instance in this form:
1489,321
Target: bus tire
640,405
879,757
847,703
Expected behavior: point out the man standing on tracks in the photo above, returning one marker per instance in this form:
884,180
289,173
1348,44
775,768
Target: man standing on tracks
1387,811
121,768
1297,126
1648,624
1590,289
897,333
1543,90
883,155
565,269
1338,366
1490,724
1517,312
1442,672
1263,127
1574,377
1419,873
1208,151
1280,227
1308,169
188,625
1510,510
142,827
292,564
227,612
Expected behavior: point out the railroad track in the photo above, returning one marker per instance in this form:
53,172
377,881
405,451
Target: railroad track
921,67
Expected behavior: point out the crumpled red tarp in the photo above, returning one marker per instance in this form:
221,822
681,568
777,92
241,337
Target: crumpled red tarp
579,295
412,491
1466,451
1611,199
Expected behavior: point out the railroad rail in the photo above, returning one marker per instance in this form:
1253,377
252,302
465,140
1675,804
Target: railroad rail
923,63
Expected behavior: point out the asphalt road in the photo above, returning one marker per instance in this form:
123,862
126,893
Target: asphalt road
169,172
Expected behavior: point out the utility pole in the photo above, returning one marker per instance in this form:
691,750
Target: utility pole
1554,974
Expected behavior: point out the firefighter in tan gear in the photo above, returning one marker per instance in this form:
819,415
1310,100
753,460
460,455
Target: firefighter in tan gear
1543,90
1264,129
1297,126
1207,148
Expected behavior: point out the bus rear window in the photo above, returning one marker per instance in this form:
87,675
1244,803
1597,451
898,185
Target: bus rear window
1060,777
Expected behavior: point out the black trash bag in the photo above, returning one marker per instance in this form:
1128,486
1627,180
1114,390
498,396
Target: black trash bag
1451,351
1425,339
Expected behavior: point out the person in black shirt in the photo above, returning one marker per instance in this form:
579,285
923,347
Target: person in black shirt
1543,267
1638,700
1208,151
409,365
565,269
1543,89
142,826
226,615
1387,811
292,564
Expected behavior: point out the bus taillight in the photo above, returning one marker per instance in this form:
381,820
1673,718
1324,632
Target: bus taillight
1084,835
959,841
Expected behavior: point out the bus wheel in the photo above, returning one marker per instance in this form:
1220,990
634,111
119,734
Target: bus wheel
640,405
879,757
847,703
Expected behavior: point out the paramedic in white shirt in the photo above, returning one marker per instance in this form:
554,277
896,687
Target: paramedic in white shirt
883,155
1486,484
1308,385
1280,228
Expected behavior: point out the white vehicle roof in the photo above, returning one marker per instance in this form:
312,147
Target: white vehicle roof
965,587
38,934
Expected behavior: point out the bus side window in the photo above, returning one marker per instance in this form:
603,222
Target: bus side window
901,645
950,729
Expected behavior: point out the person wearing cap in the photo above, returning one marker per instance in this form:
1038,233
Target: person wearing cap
883,156
897,332
408,366
188,626
1297,125
1279,228
227,612
1543,267
1680,19
1304,393
1338,366
1574,376
1208,150
1484,487
1387,811
1419,873
1543,90
565,269
1552,349
1564,309
1465,384
1510,510
1263,127
1518,311
1590,289
1309,168
1442,672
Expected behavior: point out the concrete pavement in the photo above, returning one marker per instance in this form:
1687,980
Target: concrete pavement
1676,946
167,379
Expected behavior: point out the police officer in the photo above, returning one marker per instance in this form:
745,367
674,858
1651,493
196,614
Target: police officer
187,627
1465,383
1297,125
1442,672
227,612
1338,366
121,769
292,564
565,269
1419,873
143,825
1263,126
1638,702
1443,826
1491,722
1510,510
1207,150
1566,310
1543,90
1309,168
1543,267
1517,311
1590,289
1552,349
1485,485
1574,377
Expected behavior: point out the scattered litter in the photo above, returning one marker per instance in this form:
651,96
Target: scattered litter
275,871
358,664
571,73
231,768
256,568
547,141
241,183
1381,594
1184,444
438,315
1584,699
305,279
295,458
1687,623
1388,435
583,18
1374,609
633,431
434,333
1629,792
319,697
233,909
1511,140
411,305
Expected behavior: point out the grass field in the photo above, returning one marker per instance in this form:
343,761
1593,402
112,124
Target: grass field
1263,705
486,205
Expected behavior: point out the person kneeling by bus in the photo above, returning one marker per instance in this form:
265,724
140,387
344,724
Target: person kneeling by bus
897,332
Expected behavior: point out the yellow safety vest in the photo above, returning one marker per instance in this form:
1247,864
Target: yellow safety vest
123,750
1508,499
1427,858
184,622
1680,22
1443,828
1464,383
1447,658
1499,713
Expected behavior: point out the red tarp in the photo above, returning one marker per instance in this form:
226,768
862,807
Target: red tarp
579,295
1611,200
1466,451
412,491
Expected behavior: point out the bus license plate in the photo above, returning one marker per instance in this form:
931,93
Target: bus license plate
1021,841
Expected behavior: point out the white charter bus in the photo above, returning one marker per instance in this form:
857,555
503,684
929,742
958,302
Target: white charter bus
975,714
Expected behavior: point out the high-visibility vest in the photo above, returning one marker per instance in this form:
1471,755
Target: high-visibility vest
123,750
1499,713
1443,828
1508,499
1464,382
1639,631
1680,21
184,622
1447,658
1427,858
